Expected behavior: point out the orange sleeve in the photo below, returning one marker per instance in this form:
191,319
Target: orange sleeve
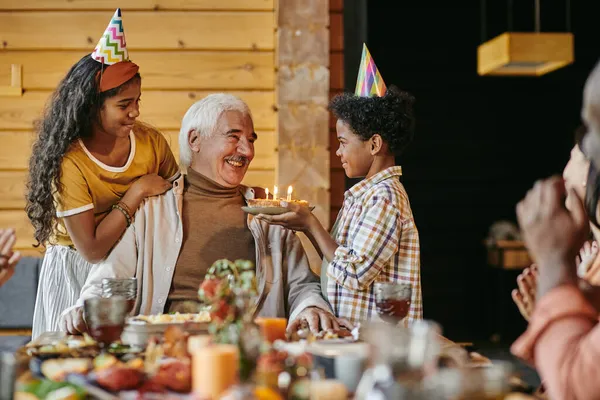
563,341
74,197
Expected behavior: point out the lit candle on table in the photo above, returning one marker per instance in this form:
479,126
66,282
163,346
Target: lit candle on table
267,193
289,196
275,193
214,370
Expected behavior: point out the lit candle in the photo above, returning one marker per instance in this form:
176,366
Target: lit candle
267,193
214,370
275,193
289,196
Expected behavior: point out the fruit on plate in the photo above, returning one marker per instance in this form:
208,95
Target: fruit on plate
118,378
57,369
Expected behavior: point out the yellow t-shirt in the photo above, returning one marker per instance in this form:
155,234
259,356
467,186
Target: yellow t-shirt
89,184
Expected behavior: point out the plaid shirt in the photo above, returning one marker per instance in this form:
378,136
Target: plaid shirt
378,242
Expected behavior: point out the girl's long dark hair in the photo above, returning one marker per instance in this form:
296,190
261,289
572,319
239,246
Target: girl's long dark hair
69,115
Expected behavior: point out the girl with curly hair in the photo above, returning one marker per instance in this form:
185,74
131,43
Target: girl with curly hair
374,238
91,167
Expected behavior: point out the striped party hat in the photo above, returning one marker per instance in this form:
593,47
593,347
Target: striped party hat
111,47
369,82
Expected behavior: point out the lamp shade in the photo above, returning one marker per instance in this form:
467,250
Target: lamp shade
525,53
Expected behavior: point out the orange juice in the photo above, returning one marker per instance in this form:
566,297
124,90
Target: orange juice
272,329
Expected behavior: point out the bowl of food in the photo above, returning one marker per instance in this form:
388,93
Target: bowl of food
139,329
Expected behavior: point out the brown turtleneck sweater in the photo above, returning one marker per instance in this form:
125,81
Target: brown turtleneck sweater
214,227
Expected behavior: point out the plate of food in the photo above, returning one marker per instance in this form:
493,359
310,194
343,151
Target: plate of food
139,329
163,369
332,336
271,207
62,346
176,318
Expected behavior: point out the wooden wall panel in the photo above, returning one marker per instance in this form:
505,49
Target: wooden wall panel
173,30
163,109
18,220
174,70
15,148
108,5
186,49
12,189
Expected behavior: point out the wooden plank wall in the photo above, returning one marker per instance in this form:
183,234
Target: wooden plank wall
336,69
185,49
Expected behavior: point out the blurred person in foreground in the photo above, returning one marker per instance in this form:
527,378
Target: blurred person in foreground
563,337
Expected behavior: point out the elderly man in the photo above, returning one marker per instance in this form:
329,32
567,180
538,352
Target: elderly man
176,237
563,337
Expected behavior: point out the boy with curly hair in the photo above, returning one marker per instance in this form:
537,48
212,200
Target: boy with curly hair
374,238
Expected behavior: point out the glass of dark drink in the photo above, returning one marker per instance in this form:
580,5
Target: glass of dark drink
392,300
105,318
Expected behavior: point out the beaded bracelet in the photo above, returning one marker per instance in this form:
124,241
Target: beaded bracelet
126,207
125,213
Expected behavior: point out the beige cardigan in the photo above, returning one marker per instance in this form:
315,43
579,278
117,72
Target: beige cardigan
150,247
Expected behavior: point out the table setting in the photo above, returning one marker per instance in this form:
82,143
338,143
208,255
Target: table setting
224,351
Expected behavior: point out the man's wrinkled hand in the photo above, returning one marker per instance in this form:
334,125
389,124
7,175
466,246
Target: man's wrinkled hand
317,319
550,231
73,322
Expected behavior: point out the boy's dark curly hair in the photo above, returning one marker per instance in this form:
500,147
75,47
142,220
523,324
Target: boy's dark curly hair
391,116
69,115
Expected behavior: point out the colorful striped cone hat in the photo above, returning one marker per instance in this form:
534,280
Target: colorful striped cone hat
369,82
111,47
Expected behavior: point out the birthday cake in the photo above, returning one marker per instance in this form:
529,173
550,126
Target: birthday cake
256,203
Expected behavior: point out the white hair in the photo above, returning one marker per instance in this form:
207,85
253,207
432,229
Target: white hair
202,117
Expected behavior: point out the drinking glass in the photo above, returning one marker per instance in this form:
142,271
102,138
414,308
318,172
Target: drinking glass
400,357
392,300
124,287
487,383
105,318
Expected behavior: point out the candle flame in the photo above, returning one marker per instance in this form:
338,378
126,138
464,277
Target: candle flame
275,191
290,189
267,193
